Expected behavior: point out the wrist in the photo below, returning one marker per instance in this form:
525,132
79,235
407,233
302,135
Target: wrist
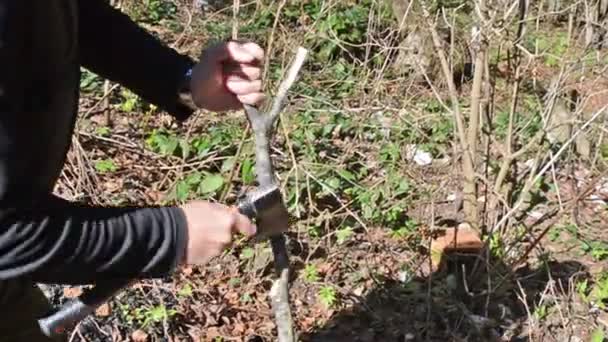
185,90
181,236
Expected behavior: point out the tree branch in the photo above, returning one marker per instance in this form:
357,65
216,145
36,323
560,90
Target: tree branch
263,130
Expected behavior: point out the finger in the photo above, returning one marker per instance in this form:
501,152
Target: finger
244,87
234,51
255,50
242,72
242,224
253,99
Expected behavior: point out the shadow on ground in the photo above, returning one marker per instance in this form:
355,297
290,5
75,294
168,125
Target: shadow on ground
488,306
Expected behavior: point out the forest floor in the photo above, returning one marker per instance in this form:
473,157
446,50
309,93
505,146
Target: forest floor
366,209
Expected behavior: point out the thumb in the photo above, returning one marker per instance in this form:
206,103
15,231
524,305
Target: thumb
243,224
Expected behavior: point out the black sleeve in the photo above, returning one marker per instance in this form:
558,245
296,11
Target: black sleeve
116,48
68,243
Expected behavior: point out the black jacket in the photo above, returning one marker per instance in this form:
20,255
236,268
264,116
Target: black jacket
43,44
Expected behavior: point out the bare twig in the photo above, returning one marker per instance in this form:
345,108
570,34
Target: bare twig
464,136
548,165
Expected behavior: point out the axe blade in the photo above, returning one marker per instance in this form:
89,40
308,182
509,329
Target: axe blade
266,206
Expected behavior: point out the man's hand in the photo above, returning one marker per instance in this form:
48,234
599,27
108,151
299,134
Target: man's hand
211,227
228,76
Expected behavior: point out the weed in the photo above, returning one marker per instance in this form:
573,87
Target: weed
311,274
327,295
344,235
202,184
106,165
145,316
598,335
90,82
185,290
247,253
599,292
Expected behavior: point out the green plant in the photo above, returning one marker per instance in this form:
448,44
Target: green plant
185,291
597,249
342,235
106,165
157,314
311,274
153,11
130,101
234,282
246,298
408,228
599,292
598,335
166,143
541,312
102,131
90,82
247,253
204,184
145,316
327,295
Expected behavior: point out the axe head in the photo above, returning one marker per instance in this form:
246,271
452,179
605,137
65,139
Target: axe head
267,208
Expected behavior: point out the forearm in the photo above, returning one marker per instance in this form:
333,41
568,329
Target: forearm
74,244
116,48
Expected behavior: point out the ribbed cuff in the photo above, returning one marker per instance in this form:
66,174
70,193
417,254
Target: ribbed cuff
180,236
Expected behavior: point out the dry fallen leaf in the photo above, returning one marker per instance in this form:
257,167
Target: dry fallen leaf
139,336
239,328
72,292
187,270
103,310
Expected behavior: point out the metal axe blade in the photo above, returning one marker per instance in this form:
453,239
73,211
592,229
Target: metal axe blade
267,207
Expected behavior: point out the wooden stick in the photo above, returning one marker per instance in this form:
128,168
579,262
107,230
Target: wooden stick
263,130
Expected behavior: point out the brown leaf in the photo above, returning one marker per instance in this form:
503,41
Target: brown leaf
139,336
212,332
239,328
103,310
187,270
72,292
324,267
359,291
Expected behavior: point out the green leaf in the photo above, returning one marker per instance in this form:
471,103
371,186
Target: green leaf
182,189
185,291
185,147
211,184
227,165
247,171
106,165
103,131
247,253
598,335
344,234
310,273
194,178
347,175
327,295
